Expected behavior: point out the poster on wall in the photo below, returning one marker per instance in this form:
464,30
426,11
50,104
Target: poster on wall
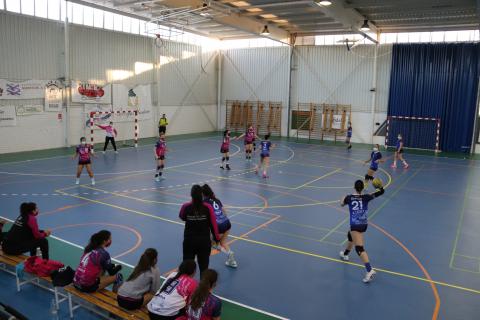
28,110
30,89
8,116
86,92
132,98
53,96
99,118
337,122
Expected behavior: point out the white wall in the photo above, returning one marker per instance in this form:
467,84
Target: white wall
183,79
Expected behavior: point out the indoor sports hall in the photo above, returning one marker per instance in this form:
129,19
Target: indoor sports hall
223,159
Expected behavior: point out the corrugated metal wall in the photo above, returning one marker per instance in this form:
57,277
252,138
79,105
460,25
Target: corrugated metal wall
332,74
187,75
256,74
110,56
30,48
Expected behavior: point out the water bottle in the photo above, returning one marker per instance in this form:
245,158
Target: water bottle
39,253
53,310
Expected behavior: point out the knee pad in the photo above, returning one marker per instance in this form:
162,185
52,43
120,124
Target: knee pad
223,159
367,177
349,236
159,167
228,158
162,166
359,250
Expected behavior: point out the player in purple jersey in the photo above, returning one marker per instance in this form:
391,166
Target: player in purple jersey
203,304
223,224
375,159
349,136
249,137
160,151
358,207
399,153
225,149
84,151
265,146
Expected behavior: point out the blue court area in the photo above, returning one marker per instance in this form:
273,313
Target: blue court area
287,230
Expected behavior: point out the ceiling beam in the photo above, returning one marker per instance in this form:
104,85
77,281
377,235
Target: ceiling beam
235,20
350,19
356,4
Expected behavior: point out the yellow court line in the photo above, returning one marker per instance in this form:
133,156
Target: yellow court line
319,178
404,275
280,247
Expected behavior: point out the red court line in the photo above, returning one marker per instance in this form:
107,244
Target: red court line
137,234
425,272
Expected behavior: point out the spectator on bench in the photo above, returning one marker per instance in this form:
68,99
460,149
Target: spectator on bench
24,235
142,284
95,261
170,301
204,305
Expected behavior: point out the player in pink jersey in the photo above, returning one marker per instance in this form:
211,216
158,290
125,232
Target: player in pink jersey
160,151
170,301
111,133
249,138
83,151
225,149
204,305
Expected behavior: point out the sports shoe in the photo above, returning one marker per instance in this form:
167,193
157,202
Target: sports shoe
264,175
118,282
77,181
231,261
157,178
116,152
103,152
369,276
343,256
93,181
221,167
406,166
393,166
228,167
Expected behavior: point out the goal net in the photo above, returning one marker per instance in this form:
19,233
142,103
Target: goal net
125,122
417,132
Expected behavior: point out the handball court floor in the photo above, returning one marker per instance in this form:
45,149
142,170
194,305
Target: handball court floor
286,231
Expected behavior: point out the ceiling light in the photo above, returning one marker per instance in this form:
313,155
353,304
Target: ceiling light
324,3
268,16
365,26
265,31
254,10
280,21
240,3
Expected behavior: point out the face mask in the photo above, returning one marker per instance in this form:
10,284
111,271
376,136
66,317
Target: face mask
399,137
108,243
83,142
375,149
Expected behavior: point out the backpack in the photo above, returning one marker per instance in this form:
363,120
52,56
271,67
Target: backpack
41,267
62,277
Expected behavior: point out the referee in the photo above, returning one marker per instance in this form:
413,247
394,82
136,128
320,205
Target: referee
162,124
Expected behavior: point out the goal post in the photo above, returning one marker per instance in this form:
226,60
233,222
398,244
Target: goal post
133,113
418,132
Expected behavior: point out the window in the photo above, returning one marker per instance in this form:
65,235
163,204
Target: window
63,10
41,8
77,13
13,5
135,26
28,7
142,28
1,5
437,36
108,20
98,18
117,22
88,16
54,9
126,24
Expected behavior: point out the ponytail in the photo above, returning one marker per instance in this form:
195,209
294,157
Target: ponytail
197,196
26,208
147,261
187,268
208,193
208,281
96,240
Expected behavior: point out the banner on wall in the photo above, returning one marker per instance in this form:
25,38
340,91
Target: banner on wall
28,110
53,96
97,119
30,89
86,92
8,116
137,98
337,122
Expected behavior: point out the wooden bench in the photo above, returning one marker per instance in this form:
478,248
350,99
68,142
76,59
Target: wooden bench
103,302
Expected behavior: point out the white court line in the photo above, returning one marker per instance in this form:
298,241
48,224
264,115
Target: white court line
132,267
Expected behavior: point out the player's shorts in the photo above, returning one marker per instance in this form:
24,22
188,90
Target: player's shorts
224,150
373,168
224,227
161,156
84,162
400,151
359,227
264,155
